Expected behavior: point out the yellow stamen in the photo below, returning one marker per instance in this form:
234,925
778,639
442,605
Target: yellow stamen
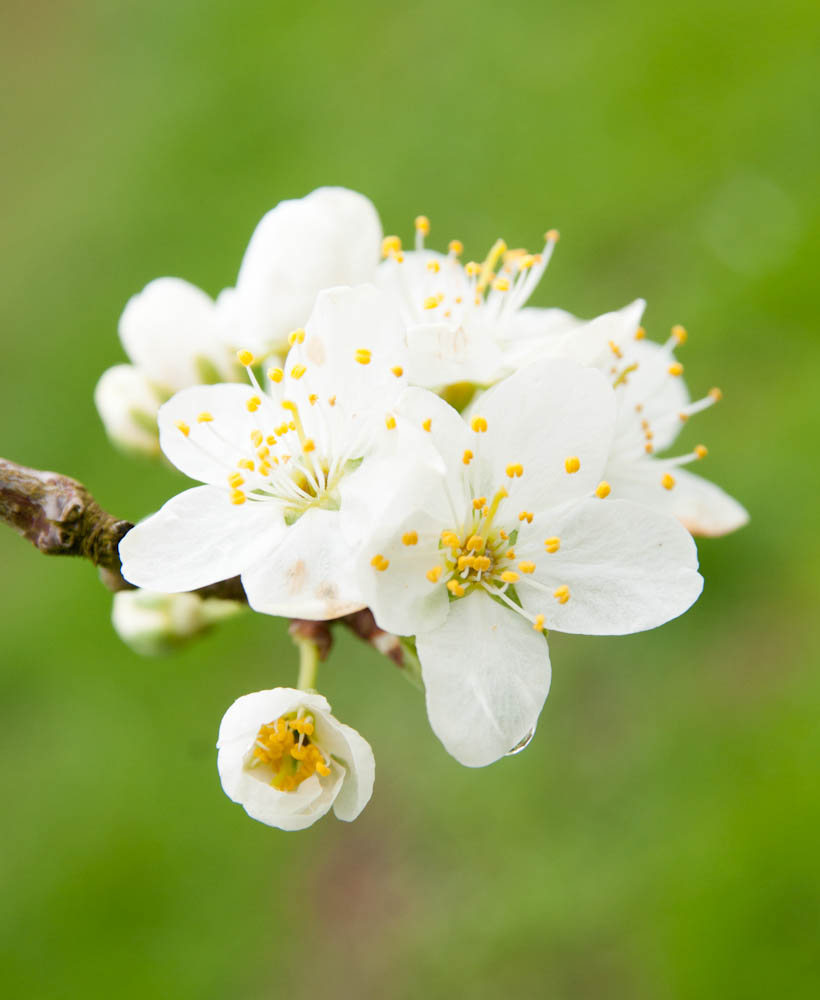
297,371
572,464
379,563
515,470
648,448
479,502
275,374
237,497
309,445
390,245
679,333
701,450
363,356
527,566
390,422
296,337
475,543
561,594
263,452
508,576
427,424
456,247
256,438
676,368
482,563
667,481
467,457
450,539
431,302
422,225
183,428
716,394
253,404
602,490
397,370
640,333
538,624
410,538
205,417
615,349
509,554
501,285
526,515
552,236
313,398
235,480
455,588
478,424
246,463
245,358
434,574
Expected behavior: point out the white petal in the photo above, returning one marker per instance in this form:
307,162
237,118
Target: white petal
533,335
487,674
628,568
331,237
539,417
128,405
167,327
701,506
209,451
402,599
198,537
308,573
440,354
360,766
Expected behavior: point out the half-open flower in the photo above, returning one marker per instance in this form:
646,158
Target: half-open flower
296,473
518,537
287,761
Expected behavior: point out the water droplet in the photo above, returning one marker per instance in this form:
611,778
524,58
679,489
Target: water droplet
522,744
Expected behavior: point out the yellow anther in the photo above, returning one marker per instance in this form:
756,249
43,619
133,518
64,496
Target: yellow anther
572,464
235,480
290,406
552,236
472,268
292,425
516,470
525,261
313,399
561,594
465,562
270,439
455,588
427,424
256,438
501,285
431,302
676,368
205,417
434,574
450,539
309,445
253,404
640,333
390,422
456,247
331,400
467,457
503,535
527,566
716,394
390,245
282,428
615,349
538,624
362,355
482,563
648,435
322,768
410,538
263,452
679,333
245,358
526,515
508,576
237,497
379,563
602,490
648,448
296,337
683,416
275,374
433,266
264,468
246,463
183,428
297,371
479,502
667,481
478,424
475,543
701,451
422,224
397,370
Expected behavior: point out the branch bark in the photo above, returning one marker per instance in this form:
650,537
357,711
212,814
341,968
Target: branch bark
59,516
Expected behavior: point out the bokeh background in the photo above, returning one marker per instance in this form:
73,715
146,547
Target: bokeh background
659,836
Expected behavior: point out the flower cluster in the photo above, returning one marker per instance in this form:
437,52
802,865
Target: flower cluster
408,435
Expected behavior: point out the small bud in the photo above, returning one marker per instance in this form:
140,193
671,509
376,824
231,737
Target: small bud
155,624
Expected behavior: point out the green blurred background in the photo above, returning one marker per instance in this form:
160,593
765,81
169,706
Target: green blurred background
659,836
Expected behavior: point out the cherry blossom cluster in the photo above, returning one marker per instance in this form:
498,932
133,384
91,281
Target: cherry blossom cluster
395,428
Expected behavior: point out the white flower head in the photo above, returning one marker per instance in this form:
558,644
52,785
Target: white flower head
177,336
653,407
296,472
518,537
287,761
462,317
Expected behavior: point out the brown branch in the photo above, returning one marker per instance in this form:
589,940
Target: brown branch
60,517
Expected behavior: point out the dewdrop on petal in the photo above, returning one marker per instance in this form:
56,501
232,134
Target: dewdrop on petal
287,761
154,624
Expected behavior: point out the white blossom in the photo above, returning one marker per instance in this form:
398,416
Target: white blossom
154,624
177,336
296,473
287,761
519,536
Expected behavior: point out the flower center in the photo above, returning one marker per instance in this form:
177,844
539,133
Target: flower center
284,755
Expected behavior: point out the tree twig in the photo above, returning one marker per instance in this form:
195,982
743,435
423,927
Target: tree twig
59,516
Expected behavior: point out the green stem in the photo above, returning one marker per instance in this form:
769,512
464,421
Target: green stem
308,664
